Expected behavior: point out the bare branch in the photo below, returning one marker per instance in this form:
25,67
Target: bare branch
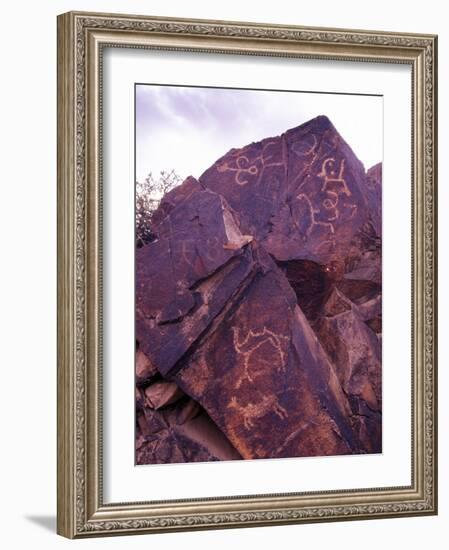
149,194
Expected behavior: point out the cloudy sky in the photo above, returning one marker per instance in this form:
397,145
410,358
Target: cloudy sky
188,128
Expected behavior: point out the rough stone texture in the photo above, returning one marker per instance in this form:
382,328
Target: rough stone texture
259,302
374,196
355,351
180,432
264,378
187,275
162,393
301,194
145,370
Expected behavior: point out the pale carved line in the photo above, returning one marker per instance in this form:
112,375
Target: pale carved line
251,169
357,510
313,211
253,341
253,411
332,176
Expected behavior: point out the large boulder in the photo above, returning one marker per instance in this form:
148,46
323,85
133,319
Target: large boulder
180,431
301,194
264,378
355,351
184,278
259,302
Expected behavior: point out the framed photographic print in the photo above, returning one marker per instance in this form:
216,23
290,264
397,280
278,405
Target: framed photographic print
246,274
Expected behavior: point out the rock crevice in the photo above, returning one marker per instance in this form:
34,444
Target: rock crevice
258,306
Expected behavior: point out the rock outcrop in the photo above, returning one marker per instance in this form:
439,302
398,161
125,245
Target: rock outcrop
258,307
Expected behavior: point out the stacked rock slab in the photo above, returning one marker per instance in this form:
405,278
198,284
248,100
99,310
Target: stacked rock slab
171,427
302,195
260,299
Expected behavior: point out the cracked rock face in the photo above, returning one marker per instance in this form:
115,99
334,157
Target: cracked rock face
259,307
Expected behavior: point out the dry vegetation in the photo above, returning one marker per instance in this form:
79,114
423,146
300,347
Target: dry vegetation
149,194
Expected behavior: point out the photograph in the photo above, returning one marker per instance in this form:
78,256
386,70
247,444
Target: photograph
258,274
247,283
224,266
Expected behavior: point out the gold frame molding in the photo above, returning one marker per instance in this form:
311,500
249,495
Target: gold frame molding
81,37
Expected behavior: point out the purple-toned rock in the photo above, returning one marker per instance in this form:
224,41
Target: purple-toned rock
145,370
186,276
363,261
264,378
162,393
180,432
259,308
174,198
355,352
301,194
374,196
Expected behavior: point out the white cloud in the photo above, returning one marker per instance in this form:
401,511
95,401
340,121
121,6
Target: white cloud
188,129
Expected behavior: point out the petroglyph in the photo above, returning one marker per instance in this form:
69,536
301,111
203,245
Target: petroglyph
264,158
212,253
188,252
253,411
353,208
246,346
328,245
330,204
331,201
329,175
313,211
244,166
239,169
236,305
304,148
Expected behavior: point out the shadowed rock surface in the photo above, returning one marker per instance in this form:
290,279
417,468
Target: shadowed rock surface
303,194
258,307
355,351
179,432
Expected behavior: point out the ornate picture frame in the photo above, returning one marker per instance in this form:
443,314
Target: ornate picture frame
82,39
